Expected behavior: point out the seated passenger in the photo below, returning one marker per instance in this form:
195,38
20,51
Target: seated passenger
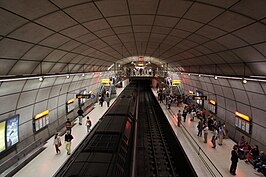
253,153
260,162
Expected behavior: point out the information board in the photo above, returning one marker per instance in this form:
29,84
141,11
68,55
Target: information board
243,122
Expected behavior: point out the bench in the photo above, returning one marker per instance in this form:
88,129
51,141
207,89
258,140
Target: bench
19,160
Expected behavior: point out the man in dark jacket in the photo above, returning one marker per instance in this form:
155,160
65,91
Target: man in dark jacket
68,139
234,159
80,115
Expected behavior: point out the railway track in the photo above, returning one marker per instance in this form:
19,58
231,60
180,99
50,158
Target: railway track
158,150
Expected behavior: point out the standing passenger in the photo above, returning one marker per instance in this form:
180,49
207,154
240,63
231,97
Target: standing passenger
205,131
68,138
221,135
200,127
214,138
88,123
179,118
185,113
234,159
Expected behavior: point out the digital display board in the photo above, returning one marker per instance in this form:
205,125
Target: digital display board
212,106
70,105
198,93
2,136
243,122
12,131
41,120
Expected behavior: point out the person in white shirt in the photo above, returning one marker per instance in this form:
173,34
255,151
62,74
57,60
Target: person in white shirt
57,143
205,132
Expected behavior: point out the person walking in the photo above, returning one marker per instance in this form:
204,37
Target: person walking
200,128
234,159
108,101
179,118
80,115
57,143
169,102
205,132
68,139
214,137
68,125
88,124
101,101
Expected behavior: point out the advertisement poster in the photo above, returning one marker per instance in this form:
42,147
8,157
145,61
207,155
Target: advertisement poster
2,136
12,131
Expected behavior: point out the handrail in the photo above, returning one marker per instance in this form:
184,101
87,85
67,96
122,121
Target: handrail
198,148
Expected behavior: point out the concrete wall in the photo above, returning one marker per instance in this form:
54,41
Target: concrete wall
30,97
231,96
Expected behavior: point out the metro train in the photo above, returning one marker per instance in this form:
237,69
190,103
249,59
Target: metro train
107,151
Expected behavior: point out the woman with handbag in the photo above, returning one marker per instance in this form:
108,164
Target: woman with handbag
57,143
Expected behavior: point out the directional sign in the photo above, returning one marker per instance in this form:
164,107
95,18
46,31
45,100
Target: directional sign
199,97
87,96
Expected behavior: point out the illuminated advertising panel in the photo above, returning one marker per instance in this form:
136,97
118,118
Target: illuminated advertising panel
12,131
2,136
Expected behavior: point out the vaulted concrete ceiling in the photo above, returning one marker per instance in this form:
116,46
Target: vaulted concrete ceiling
51,36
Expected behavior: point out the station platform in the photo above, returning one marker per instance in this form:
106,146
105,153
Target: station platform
206,160
48,162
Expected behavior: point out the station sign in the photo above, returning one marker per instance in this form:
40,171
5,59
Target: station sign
87,96
105,81
176,82
199,97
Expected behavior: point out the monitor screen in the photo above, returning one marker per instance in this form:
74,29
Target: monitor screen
2,136
12,131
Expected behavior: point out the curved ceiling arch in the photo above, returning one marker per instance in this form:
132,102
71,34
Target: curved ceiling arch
194,36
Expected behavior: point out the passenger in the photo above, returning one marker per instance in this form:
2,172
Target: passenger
254,153
68,139
246,149
169,102
200,128
220,135
241,142
179,118
205,132
108,101
234,159
185,113
68,125
57,143
101,101
88,124
160,95
80,115
260,162
214,138
203,113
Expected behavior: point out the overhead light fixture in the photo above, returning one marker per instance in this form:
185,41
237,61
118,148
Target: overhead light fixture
199,75
162,65
244,81
68,76
41,79
83,74
188,74
215,77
